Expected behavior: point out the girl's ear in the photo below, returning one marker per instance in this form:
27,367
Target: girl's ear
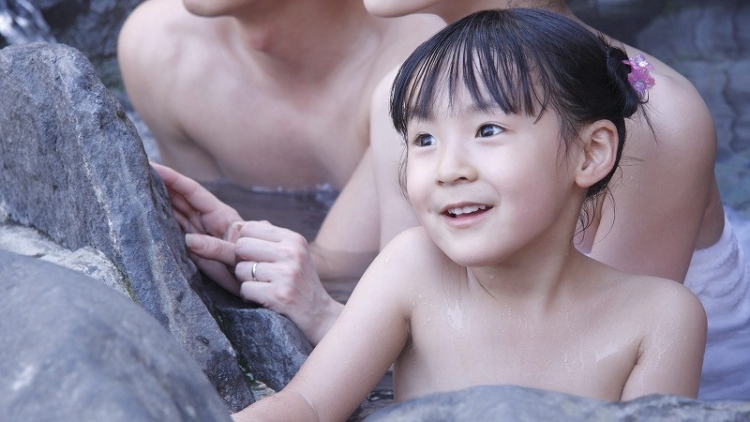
598,152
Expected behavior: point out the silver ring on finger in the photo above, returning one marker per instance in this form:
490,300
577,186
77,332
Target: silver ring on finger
252,272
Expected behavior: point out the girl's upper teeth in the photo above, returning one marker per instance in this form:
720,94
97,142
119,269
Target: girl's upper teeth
467,209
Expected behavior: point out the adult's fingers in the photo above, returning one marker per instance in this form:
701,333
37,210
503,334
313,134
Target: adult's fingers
198,196
269,272
204,212
212,248
188,217
267,231
175,180
167,174
281,298
292,252
233,232
306,303
217,272
261,293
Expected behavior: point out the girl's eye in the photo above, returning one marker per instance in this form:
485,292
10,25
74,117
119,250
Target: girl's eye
424,140
485,131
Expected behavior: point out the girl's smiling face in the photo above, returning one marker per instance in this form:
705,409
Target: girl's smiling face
487,185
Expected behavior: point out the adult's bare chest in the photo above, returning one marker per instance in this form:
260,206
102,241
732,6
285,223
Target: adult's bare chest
260,138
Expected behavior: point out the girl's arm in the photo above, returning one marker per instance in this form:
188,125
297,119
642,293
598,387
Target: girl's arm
670,357
366,339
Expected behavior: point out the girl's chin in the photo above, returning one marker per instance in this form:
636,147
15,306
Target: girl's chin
471,257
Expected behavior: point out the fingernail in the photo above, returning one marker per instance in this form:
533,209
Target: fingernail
194,242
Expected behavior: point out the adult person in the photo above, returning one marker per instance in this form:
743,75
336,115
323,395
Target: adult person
266,93
261,92
664,216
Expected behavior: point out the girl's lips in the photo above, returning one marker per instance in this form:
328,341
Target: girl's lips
465,215
466,209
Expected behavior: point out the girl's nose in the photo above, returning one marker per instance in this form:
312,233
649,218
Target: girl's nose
455,165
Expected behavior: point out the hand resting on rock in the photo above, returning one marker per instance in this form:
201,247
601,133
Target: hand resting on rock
255,260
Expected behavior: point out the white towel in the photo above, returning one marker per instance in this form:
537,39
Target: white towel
720,276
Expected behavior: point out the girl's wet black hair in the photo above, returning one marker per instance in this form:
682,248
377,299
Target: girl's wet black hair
522,61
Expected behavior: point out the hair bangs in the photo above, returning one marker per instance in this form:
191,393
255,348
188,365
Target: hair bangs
496,72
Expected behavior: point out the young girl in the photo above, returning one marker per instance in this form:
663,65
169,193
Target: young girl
512,120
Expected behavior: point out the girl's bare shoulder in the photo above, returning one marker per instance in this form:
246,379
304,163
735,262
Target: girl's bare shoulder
414,246
649,299
407,267
411,258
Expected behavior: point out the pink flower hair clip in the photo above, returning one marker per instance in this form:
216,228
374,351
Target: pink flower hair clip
639,77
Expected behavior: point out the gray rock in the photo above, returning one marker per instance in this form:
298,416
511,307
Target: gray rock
30,242
91,27
621,19
74,168
269,345
73,350
518,404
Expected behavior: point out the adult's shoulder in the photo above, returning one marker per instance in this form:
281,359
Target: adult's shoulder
412,29
400,36
680,118
153,17
155,33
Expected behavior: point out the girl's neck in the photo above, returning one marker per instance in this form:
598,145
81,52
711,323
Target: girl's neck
534,282
547,264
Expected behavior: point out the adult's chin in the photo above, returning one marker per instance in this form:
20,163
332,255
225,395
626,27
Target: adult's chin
396,8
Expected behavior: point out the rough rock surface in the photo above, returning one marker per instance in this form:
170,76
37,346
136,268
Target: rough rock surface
92,27
73,350
30,242
518,404
73,167
270,346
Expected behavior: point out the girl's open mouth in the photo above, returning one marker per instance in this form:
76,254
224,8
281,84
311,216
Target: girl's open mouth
466,210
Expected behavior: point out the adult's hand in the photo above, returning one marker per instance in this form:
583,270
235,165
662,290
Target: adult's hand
284,277
204,217
226,249
196,209
277,271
